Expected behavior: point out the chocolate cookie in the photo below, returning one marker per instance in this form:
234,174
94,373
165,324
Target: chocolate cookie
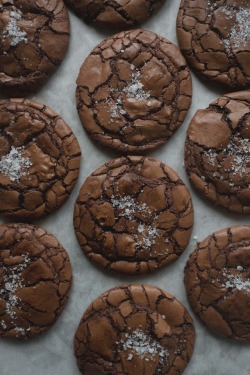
135,330
117,13
39,159
217,280
217,152
133,215
215,38
133,91
34,37
35,280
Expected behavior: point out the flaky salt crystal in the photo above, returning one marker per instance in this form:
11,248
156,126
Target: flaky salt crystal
14,164
13,30
240,32
144,346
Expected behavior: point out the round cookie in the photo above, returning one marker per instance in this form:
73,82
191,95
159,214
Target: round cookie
35,280
133,215
34,38
214,36
217,152
134,330
217,280
116,13
39,159
133,91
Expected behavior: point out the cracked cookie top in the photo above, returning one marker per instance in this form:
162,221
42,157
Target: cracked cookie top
116,13
133,215
217,152
34,37
39,159
217,280
133,91
135,330
35,280
214,35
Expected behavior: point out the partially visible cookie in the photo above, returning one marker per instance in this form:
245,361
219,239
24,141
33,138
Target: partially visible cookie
133,215
214,36
133,91
35,280
116,13
39,159
217,280
34,38
134,330
217,152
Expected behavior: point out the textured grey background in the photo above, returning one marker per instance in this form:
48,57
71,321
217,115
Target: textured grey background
52,353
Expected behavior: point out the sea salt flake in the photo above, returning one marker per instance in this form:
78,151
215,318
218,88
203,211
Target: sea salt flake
21,330
240,32
135,89
14,300
238,149
13,281
13,30
211,156
116,109
9,311
128,207
236,281
141,228
14,165
8,286
113,111
3,325
211,4
144,346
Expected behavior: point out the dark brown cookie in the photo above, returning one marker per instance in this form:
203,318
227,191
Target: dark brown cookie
117,13
133,91
217,152
215,38
34,37
217,280
135,330
39,159
35,280
133,215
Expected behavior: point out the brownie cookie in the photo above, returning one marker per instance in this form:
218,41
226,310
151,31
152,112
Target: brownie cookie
133,215
117,13
217,280
133,91
215,38
217,152
135,330
39,159
34,38
35,280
